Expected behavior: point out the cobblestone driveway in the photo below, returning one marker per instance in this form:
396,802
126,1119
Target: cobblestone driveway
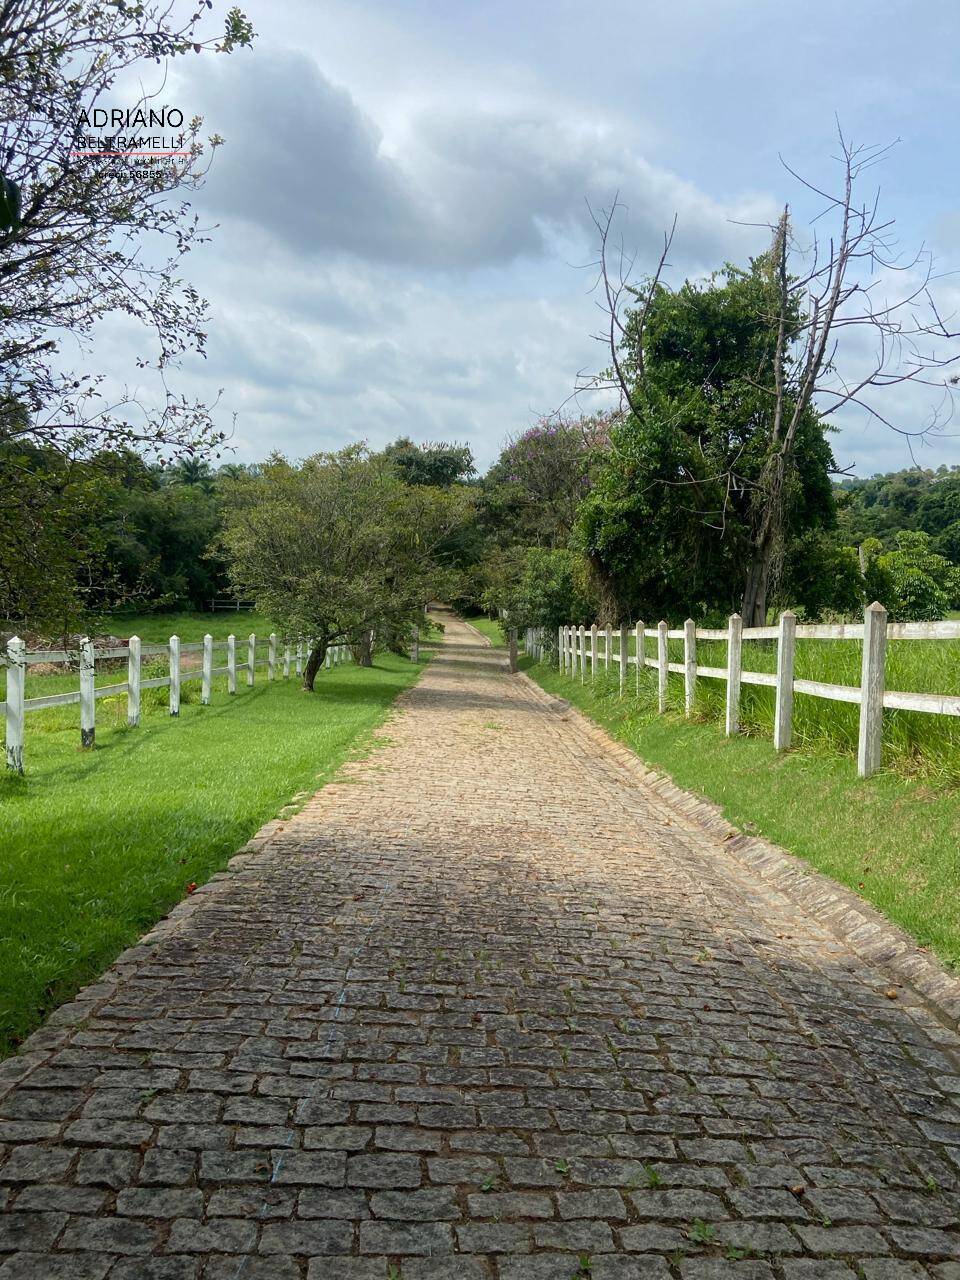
486,1010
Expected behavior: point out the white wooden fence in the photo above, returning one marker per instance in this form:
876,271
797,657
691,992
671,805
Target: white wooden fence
19,659
535,642
579,647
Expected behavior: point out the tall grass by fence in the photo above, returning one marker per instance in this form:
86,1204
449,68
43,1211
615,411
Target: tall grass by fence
580,648
84,661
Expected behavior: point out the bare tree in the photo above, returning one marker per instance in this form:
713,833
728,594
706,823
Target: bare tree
848,280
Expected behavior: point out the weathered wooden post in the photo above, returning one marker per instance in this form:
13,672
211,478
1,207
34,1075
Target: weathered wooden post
583,653
206,671
16,711
231,664
783,714
639,646
689,666
88,697
624,655
663,660
872,684
272,655
133,682
594,646
513,649
734,667
251,656
286,661
174,651
415,645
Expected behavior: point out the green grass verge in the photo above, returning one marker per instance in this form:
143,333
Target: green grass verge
889,838
916,744
156,628
98,845
486,626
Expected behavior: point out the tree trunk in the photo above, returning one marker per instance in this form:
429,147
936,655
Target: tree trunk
363,650
767,543
754,607
314,663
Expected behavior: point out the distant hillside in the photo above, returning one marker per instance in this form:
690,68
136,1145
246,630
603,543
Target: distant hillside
883,505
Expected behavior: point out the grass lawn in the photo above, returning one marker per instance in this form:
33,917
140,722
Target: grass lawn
488,628
926,747
157,628
890,838
98,845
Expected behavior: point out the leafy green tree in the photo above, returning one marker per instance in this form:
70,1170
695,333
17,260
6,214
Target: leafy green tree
532,492
51,538
157,542
672,518
913,582
437,464
339,546
822,576
539,587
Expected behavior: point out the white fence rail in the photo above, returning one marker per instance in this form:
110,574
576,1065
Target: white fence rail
580,648
19,659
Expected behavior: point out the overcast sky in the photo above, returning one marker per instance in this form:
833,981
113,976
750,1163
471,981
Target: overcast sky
402,198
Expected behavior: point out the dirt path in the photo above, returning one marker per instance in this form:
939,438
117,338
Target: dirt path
486,1009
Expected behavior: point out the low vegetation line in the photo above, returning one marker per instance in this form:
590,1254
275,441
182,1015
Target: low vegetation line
98,845
891,838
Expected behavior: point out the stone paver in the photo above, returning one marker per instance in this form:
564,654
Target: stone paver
488,1008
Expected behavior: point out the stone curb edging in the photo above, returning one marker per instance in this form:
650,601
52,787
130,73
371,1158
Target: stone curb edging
862,927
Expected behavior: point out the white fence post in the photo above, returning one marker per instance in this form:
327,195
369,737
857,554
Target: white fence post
299,666
594,646
174,675
607,646
689,666
583,653
286,661
133,682
872,683
231,664
786,648
639,646
88,700
272,655
16,682
734,667
206,671
624,655
662,665
251,657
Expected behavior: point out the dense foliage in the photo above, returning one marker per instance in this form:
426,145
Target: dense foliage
340,546
673,519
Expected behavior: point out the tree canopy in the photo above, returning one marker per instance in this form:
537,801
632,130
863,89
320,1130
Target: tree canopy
672,520
340,545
